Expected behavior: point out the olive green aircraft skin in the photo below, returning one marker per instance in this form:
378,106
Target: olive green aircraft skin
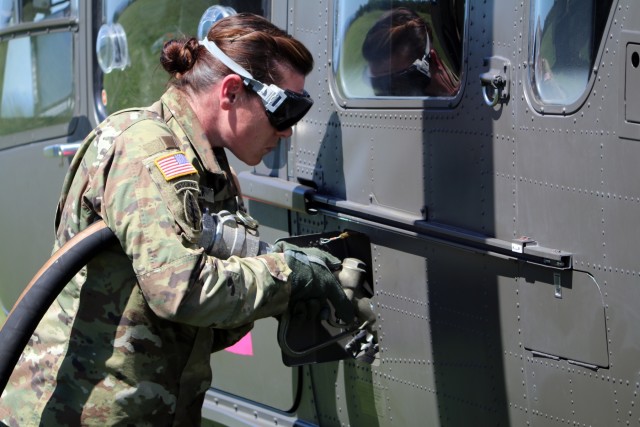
502,238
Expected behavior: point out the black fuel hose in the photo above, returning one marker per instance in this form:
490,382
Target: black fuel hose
43,289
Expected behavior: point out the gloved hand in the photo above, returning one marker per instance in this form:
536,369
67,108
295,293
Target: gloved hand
312,278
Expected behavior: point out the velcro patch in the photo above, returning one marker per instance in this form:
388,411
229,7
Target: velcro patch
174,165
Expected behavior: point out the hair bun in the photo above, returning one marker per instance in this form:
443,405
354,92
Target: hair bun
179,56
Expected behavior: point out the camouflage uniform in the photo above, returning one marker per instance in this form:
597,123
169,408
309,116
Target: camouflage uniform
129,339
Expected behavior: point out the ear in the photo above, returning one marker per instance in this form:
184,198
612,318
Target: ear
230,88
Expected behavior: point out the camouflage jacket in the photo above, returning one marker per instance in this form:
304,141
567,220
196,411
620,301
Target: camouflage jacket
129,339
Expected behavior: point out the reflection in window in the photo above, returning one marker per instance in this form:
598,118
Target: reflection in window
563,43
36,77
398,48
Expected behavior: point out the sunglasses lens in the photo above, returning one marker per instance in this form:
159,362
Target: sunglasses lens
294,108
381,85
409,82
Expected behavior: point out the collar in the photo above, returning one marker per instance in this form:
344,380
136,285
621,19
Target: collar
176,111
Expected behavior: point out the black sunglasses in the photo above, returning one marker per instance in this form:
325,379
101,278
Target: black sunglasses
411,81
408,82
284,107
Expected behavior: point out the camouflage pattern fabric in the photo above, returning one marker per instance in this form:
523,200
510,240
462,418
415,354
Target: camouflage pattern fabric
129,339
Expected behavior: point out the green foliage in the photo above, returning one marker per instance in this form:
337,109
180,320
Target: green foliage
149,24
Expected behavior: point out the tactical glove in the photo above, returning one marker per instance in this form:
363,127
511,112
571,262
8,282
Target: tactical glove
312,278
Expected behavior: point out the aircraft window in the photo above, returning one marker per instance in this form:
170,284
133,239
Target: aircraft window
19,11
143,27
564,39
398,48
36,82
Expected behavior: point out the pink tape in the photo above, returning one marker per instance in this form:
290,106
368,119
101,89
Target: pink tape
244,347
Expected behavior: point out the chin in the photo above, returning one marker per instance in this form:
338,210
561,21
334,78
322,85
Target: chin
253,162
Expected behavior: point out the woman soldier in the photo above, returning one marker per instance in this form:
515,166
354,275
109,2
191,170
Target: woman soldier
128,341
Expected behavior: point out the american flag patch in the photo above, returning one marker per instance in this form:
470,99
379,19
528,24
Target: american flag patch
174,165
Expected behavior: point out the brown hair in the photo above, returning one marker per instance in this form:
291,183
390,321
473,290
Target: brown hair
250,40
401,30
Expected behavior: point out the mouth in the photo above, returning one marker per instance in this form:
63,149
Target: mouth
270,148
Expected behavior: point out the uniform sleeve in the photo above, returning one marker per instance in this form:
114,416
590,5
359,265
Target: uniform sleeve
156,220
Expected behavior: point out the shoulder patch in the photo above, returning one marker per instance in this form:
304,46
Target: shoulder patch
174,165
186,185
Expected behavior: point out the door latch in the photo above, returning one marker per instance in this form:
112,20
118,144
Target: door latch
495,82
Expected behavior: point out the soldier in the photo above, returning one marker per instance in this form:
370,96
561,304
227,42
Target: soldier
128,341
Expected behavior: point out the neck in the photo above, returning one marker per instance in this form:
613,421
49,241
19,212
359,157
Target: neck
208,113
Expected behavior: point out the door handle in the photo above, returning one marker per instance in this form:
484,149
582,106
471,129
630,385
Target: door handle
495,82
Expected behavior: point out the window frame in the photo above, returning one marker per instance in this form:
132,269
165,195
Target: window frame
530,91
30,30
390,102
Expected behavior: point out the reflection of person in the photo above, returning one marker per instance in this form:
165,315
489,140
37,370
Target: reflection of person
548,85
564,51
128,340
402,61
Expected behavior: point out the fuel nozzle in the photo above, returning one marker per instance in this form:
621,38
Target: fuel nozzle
362,344
352,277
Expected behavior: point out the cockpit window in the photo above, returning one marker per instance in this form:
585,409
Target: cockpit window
564,39
132,34
398,48
14,12
36,67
